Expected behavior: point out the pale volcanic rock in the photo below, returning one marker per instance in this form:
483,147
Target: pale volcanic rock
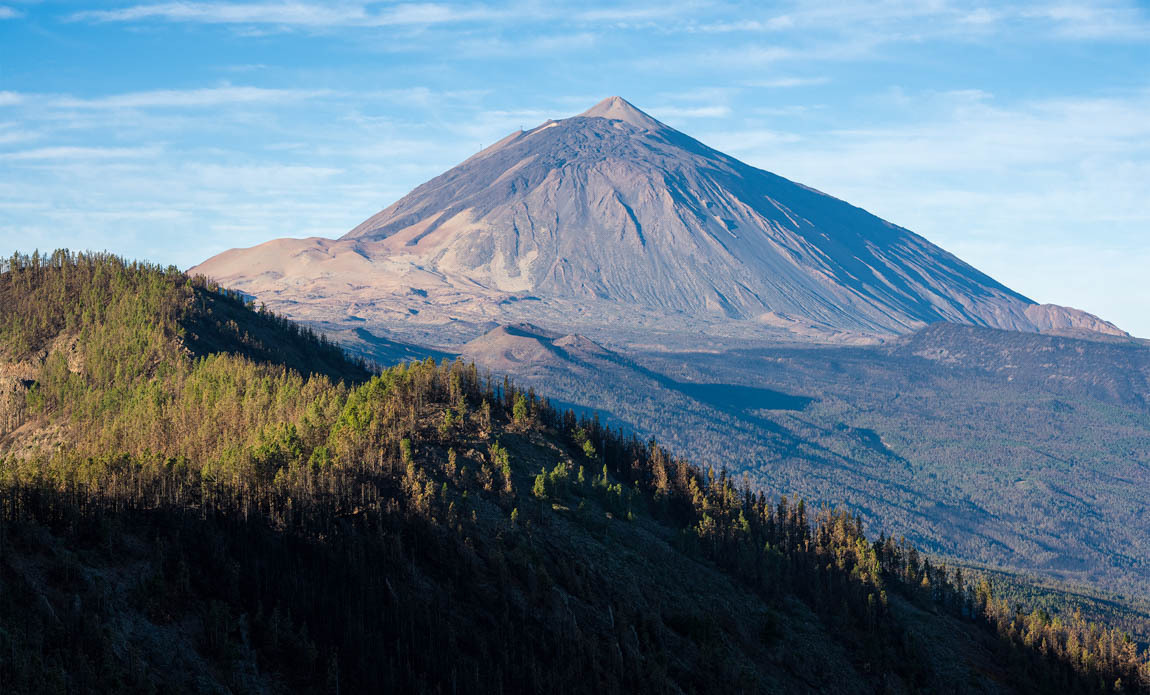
611,220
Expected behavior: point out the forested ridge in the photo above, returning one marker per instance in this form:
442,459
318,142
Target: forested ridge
196,495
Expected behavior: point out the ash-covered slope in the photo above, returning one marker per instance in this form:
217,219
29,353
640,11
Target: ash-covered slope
613,208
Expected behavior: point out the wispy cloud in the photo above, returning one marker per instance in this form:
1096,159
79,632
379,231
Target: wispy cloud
11,133
746,25
533,45
214,96
754,140
166,114
365,14
972,133
630,14
786,82
1093,21
680,112
916,20
74,154
303,14
882,21
9,12
178,106
708,94
247,67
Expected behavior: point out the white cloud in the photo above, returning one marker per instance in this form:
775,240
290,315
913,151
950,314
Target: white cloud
888,21
268,176
786,110
9,13
751,140
302,14
786,82
215,96
751,25
1093,21
490,125
869,23
976,135
10,134
362,14
227,13
680,112
706,94
530,45
745,58
846,15
629,14
80,153
981,16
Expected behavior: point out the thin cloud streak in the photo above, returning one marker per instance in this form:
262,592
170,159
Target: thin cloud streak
888,21
193,98
292,14
674,112
72,154
788,82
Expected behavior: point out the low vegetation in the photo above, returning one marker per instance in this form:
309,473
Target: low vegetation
198,496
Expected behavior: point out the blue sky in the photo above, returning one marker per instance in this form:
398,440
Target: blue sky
1017,136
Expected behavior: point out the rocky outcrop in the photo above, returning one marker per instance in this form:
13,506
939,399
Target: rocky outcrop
18,378
1051,318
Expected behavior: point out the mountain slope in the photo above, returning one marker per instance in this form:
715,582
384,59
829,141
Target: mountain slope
1019,451
611,211
222,523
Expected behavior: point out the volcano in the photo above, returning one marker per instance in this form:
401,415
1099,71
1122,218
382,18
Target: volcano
613,222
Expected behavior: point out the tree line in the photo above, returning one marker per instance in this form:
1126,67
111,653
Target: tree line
263,483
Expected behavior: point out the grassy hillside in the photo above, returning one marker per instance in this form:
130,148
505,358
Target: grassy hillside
197,496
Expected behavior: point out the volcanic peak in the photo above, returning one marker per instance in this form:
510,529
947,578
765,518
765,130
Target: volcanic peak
615,222
619,109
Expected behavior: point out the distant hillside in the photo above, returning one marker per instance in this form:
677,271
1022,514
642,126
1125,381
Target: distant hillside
1114,369
611,221
1020,451
218,521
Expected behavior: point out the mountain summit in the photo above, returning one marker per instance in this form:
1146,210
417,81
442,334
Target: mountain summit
614,219
619,109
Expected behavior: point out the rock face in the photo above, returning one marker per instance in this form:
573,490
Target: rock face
615,218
